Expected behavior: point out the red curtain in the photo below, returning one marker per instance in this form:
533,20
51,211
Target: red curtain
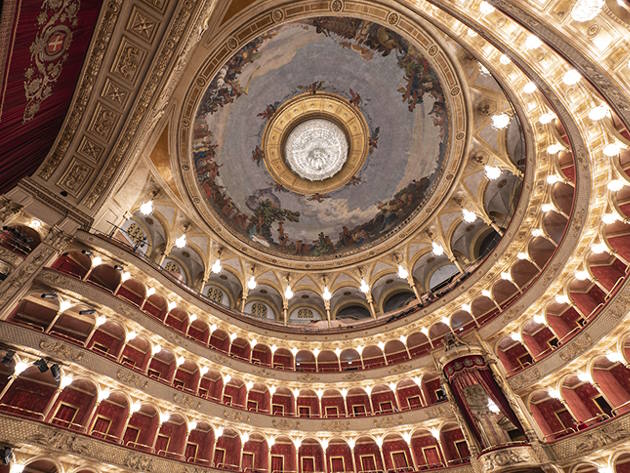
471,370
28,128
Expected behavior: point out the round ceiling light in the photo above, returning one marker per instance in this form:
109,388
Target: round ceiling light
316,149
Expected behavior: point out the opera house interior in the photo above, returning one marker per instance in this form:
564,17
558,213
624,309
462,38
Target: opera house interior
350,281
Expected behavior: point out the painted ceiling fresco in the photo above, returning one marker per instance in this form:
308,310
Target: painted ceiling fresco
376,70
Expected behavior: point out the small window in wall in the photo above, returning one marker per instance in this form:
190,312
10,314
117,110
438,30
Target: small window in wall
259,310
215,294
136,234
305,314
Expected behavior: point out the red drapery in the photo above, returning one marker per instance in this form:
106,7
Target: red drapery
471,370
44,51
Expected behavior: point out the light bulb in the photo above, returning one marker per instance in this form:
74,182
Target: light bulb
585,377
571,77
554,393
610,218
547,207
66,380
469,216
155,349
192,425
554,148
547,118
125,276
219,432
581,275
150,291
135,406
613,356
180,361
288,293
530,88
539,319
562,299
466,307
181,241
500,121
130,335
492,407
216,267
598,113
146,208
486,293
164,417
204,370
103,394
533,42
251,282
438,250
20,367
485,8
599,248
435,432
192,318
552,179
616,185
504,59
365,288
226,379
97,261
249,385
537,232
492,172
171,305
100,320
326,295
516,337
522,255
402,272
586,10
612,149
64,305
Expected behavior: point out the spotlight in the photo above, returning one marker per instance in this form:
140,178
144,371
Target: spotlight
56,372
86,252
41,365
8,357
87,312
49,295
118,267
6,455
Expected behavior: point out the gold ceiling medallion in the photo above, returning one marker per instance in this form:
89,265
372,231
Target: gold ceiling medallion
300,109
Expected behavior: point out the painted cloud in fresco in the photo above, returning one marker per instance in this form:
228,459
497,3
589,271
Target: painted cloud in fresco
374,68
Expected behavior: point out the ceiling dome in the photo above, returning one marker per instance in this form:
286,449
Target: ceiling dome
320,138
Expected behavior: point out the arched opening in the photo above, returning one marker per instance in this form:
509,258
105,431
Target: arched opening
308,404
30,394
199,444
383,400
311,456
171,438
282,402
397,454
110,417
74,405
258,399
333,404
358,403
108,339
142,428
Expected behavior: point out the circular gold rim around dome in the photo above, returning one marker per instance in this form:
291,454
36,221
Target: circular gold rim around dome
308,106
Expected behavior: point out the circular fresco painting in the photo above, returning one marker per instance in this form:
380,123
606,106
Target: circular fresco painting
381,76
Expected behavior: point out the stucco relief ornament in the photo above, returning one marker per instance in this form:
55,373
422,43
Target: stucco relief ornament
49,51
